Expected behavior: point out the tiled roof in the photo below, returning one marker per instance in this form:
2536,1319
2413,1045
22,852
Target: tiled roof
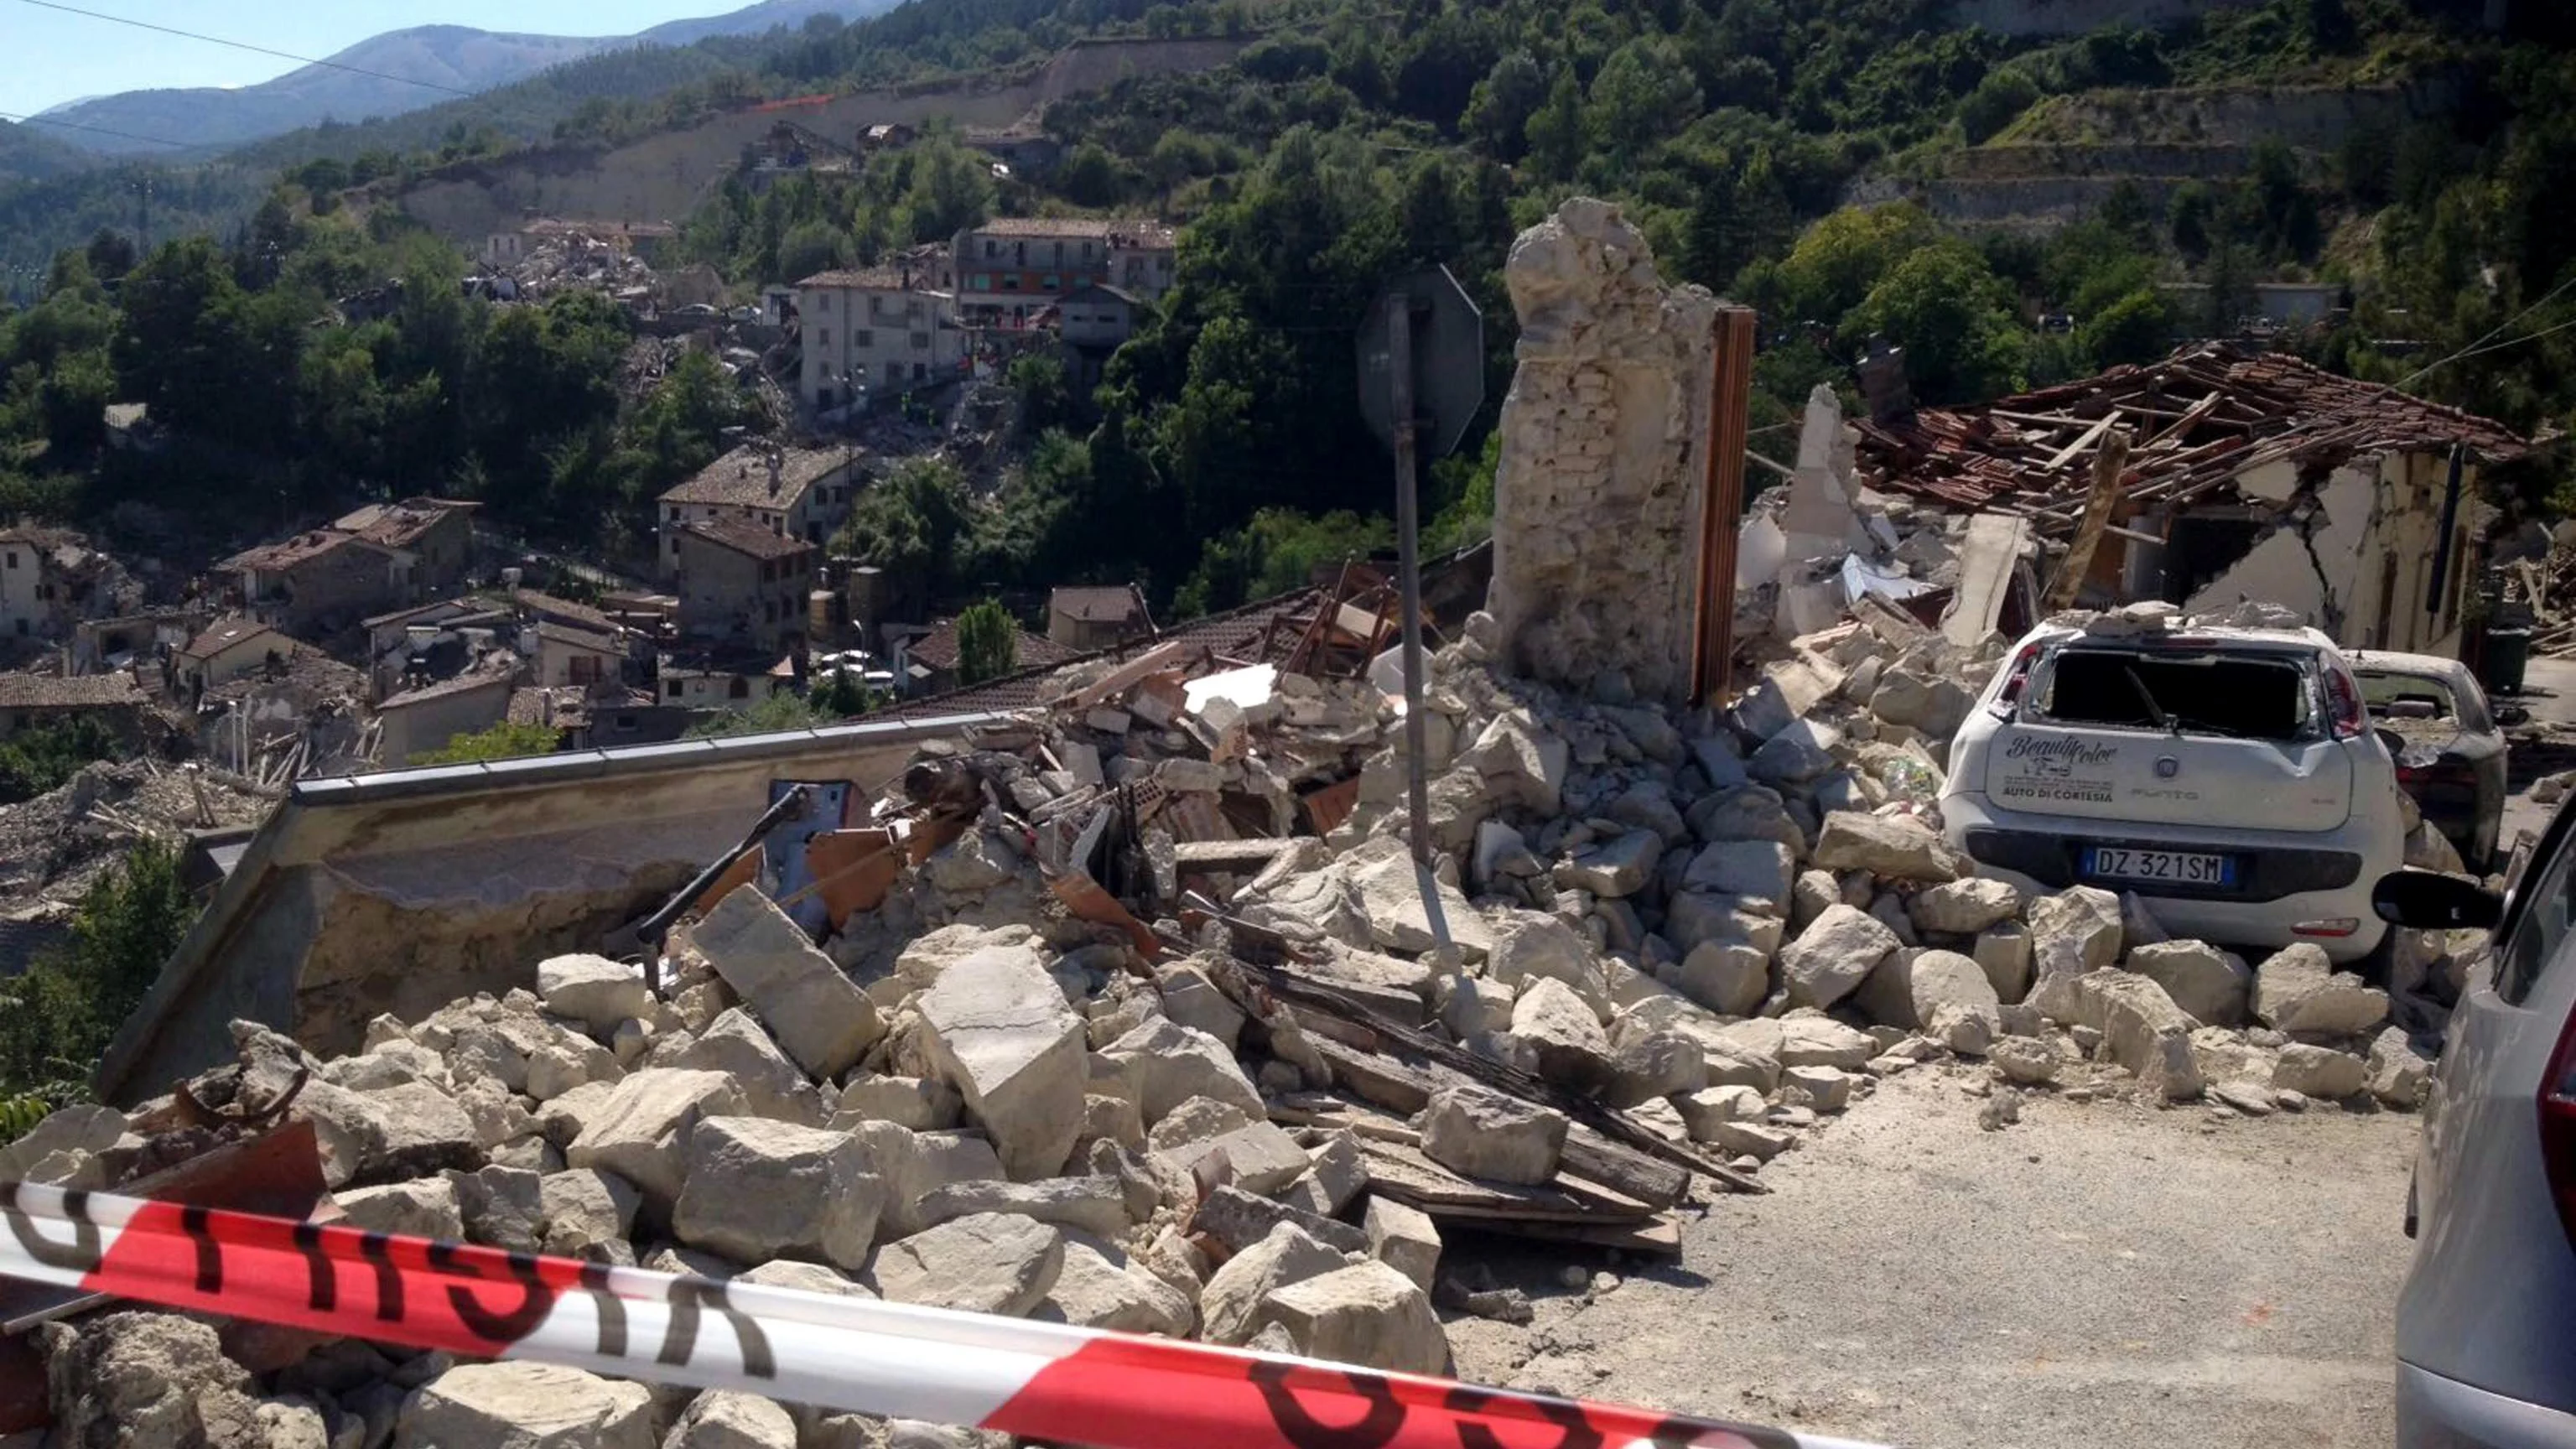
2200,419
580,638
875,279
466,683
400,525
1120,230
44,691
564,611
301,549
223,634
745,538
317,674
1104,604
1262,632
741,477
938,648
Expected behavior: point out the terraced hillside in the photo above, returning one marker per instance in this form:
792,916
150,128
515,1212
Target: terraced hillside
661,177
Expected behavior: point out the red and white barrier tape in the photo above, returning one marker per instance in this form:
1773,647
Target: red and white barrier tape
1049,1381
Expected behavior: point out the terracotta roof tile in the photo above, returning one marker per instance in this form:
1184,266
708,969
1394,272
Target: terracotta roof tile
745,538
741,477
45,691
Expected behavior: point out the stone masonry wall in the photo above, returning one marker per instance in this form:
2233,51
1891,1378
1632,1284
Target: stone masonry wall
1597,496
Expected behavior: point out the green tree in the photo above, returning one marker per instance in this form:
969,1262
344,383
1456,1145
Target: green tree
57,1019
1277,551
45,757
1499,110
1643,94
807,248
2192,217
1962,340
2137,328
911,525
1090,176
1997,102
988,642
503,741
1555,130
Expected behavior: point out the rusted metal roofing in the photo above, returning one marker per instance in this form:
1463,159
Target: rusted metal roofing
2197,420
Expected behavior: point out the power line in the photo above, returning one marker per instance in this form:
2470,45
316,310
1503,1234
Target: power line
2473,348
242,45
101,130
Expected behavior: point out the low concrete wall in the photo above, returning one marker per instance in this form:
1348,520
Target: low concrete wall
403,891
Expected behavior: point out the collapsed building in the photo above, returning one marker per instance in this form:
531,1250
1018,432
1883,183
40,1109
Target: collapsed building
2249,477
1119,996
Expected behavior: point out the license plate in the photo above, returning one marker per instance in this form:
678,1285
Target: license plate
2163,867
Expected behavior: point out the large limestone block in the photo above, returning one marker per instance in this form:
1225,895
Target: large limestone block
2144,1031
1368,1313
2297,990
1894,847
988,1263
1230,1303
1168,1064
1563,1031
525,1406
1484,1133
820,1016
1001,1034
758,1189
2209,983
1831,958
641,1132
593,990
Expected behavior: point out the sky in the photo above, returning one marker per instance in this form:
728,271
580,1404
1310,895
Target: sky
48,57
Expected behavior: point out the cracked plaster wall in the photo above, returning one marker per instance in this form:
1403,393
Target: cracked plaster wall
2331,569
1597,494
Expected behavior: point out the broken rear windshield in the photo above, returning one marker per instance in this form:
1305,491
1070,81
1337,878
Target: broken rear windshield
2250,696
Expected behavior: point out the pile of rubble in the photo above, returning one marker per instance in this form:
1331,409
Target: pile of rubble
1114,1044
54,847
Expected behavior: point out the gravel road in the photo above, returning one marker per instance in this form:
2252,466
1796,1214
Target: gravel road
2100,1275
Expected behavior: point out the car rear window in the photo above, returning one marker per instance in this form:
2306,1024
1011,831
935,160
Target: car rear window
2250,695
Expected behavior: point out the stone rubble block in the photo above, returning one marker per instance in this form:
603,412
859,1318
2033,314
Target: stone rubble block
1479,1132
2399,1076
2143,1030
757,1189
1834,956
593,990
1888,846
2298,991
1001,1034
818,1015
1230,1303
1098,1287
526,1406
725,1419
641,1131
1963,907
1368,1313
1404,1238
2321,1073
1564,1033
989,1263
2211,984
1168,1064
923,1104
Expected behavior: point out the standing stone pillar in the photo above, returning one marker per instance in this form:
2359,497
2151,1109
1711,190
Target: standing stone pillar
1603,465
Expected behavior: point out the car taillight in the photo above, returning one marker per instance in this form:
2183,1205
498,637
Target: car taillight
2558,1127
2343,704
2016,679
2452,774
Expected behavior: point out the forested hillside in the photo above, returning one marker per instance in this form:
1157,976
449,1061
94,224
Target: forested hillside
1354,139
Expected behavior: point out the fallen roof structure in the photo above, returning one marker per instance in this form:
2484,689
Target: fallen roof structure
2199,420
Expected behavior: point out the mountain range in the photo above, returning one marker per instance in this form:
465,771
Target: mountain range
450,58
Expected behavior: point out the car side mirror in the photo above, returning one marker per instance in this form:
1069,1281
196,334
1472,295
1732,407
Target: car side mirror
2512,714
2425,901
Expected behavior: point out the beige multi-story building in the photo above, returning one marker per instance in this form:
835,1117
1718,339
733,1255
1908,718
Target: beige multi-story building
873,334
801,493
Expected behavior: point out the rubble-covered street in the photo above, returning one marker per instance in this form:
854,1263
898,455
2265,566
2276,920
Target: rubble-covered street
1698,1068
2098,1274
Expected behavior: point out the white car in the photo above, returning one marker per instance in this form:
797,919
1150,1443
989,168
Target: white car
2229,777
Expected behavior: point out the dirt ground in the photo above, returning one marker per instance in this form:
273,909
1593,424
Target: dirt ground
2100,1275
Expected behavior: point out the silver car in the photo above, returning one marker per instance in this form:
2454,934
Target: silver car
2486,1326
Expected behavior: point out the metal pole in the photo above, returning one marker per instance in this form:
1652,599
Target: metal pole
1408,534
